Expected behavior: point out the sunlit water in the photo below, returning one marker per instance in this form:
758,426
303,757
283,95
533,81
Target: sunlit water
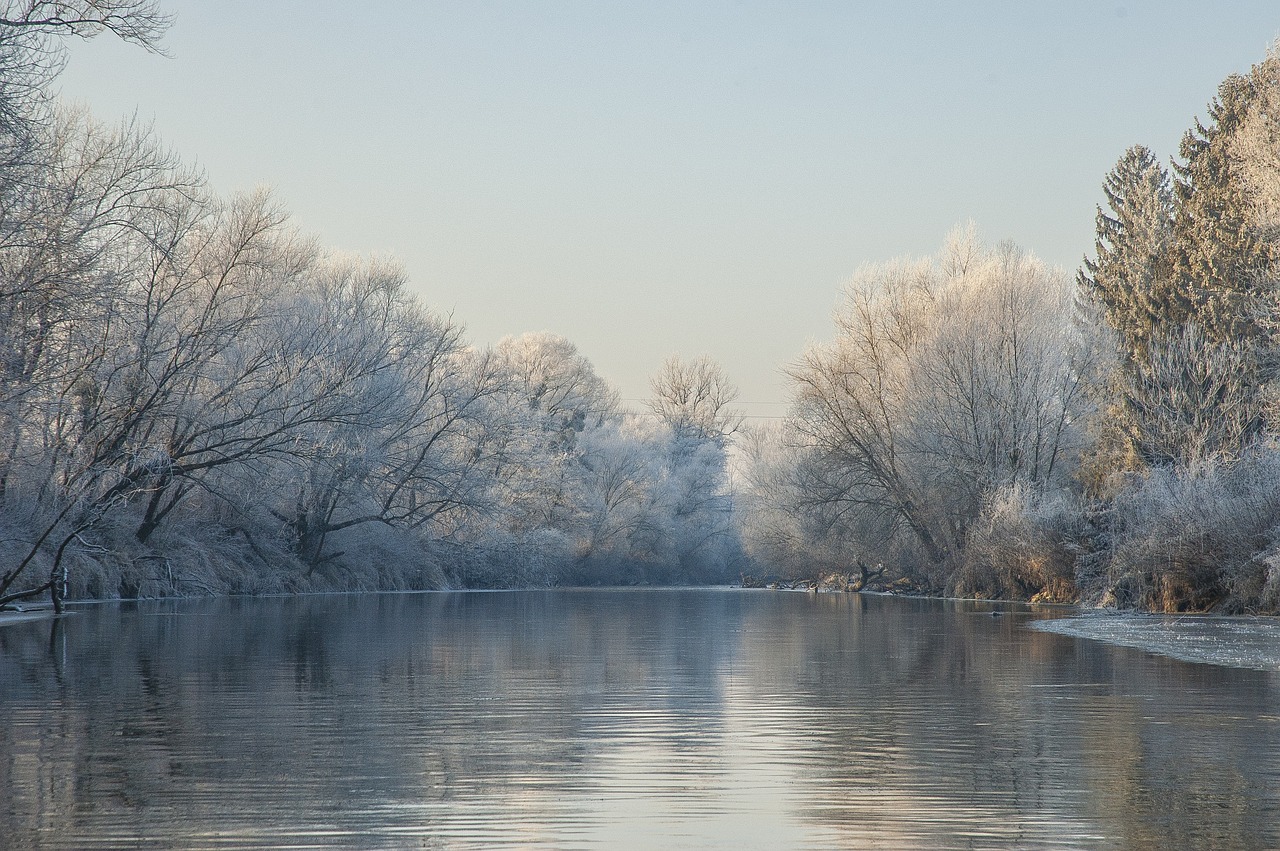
619,719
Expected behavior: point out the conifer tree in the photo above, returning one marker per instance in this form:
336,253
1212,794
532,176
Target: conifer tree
1220,253
1132,278
1189,262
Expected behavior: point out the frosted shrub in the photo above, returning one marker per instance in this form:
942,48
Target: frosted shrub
1198,537
534,559
1023,547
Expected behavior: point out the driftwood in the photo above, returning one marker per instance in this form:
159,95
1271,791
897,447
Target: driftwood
864,577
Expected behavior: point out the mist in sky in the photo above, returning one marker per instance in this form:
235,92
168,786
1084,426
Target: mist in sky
659,178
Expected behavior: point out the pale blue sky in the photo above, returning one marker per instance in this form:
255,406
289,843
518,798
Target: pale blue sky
670,177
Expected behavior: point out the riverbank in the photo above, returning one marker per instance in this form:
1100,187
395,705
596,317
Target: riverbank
9,617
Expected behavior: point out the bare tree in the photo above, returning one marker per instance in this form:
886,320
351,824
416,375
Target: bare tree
693,397
52,243
853,408
72,249
405,412
32,53
944,382
69,246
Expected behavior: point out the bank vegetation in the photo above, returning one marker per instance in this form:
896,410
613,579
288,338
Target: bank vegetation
982,425
196,397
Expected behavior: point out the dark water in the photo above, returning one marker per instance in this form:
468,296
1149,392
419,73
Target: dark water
628,719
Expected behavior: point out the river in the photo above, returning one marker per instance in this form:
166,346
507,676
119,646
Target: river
709,718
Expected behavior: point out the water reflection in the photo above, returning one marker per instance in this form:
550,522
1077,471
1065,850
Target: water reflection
643,719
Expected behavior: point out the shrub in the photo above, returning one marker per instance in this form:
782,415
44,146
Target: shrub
1024,547
1199,536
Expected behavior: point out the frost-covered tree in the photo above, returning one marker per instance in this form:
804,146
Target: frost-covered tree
82,239
394,411
193,382
1195,264
32,50
559,385
553,395
1221,253
694,398
55,235
1131,276
1193,397
1255,150
621,468
74,243
1132,286
946,381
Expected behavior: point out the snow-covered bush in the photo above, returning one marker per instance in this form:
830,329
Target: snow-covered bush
1024,547
1197,537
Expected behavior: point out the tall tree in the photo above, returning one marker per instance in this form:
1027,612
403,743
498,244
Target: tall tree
1220,254
1192,264
946,381
1131,277
693,400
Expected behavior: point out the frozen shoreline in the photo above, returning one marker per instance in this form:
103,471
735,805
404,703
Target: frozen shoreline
1235,642
9,616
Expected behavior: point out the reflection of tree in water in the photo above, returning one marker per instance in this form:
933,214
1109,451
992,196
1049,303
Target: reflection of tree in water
913,723
916,712
355,701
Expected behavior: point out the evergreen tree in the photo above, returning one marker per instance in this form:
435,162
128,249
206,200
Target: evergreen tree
1195,262
1131,283
1220,252
1132,278
1256,149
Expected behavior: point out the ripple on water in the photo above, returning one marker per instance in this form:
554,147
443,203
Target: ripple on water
566,720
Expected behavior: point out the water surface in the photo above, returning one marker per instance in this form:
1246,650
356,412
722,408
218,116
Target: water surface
619,719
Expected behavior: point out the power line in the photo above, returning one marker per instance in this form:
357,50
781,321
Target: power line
735,402
644,413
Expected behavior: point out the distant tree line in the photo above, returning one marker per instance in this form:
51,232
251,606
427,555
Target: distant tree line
982,425
195,397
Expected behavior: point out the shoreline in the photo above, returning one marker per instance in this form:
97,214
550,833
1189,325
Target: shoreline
1249,642
9,618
